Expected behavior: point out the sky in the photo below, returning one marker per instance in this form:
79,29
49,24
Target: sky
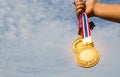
36,39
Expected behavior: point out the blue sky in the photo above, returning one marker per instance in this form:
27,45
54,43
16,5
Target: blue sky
36,39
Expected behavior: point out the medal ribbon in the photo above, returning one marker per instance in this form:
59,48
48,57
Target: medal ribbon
84,28
84,25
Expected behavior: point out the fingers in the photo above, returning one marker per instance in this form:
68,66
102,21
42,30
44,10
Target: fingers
80,0
78,12
80,7
79,3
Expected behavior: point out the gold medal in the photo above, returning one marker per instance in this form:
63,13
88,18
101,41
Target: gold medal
86,55
78,44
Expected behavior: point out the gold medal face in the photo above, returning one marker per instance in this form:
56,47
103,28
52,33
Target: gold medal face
87,57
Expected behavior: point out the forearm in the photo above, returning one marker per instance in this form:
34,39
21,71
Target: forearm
107,11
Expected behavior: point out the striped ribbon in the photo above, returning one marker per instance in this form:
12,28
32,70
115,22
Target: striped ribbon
84,25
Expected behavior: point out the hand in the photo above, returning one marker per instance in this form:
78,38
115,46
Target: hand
88,7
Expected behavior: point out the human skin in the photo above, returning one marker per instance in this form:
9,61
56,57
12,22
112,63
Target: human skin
93,8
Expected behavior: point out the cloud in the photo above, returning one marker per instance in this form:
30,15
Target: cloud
36,38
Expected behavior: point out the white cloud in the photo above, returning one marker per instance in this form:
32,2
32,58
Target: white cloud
9,36
36,38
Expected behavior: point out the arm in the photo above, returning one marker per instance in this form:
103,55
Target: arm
93,8
107,11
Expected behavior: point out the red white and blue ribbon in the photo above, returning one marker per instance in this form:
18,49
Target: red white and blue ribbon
84,25
84,28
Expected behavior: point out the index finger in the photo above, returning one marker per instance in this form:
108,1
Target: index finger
80,0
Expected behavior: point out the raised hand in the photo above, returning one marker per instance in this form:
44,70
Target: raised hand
88,7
